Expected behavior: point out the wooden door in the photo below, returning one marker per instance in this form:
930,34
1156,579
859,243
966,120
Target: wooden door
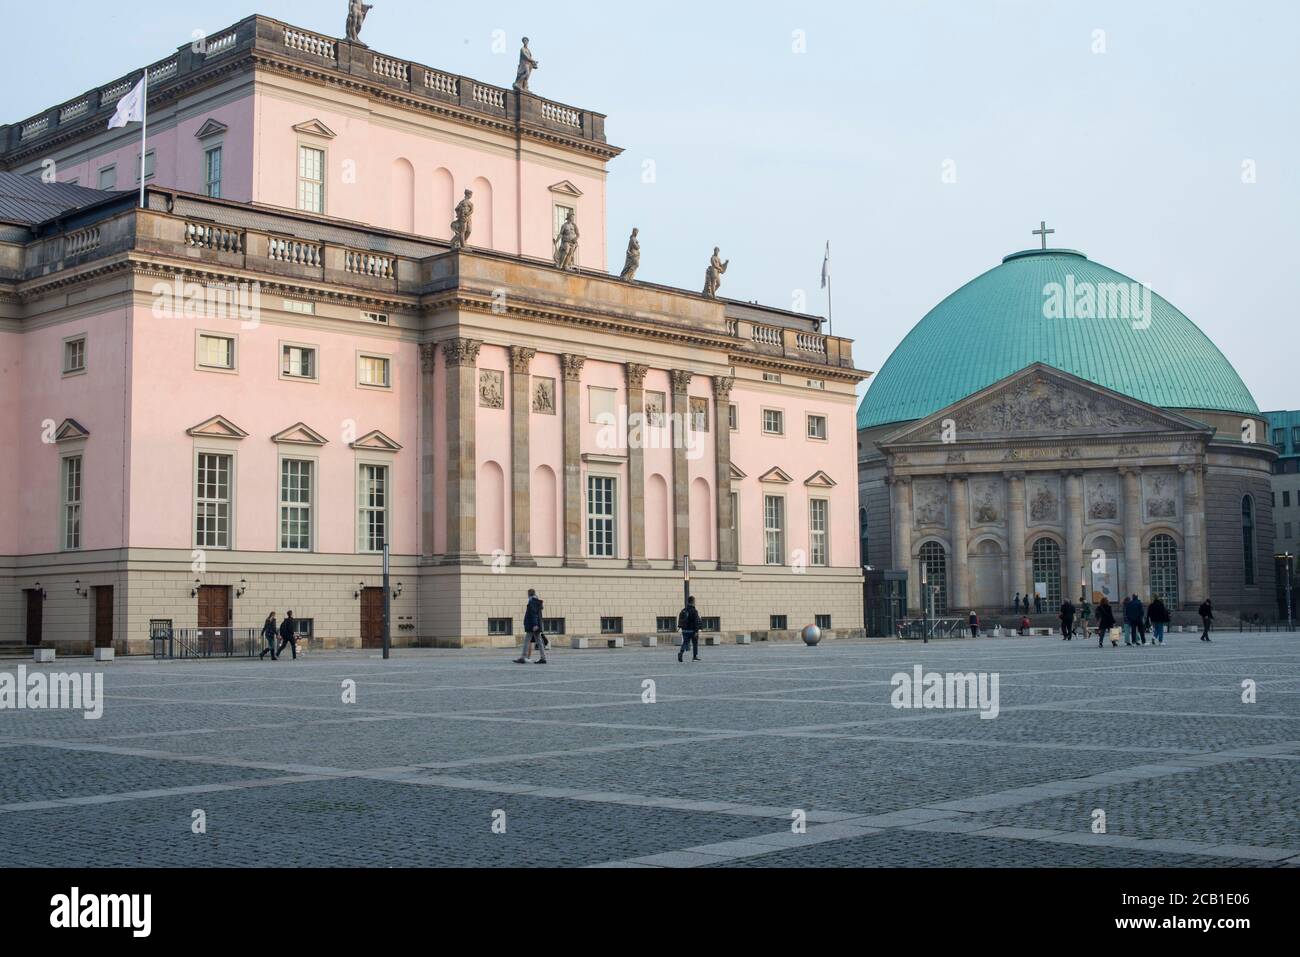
214,617
35,614
104,616
372,618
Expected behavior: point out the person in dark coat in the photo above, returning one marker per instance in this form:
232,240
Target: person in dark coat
1038,604
1135,614
1067,620
269,632
1158,614
688,620
1206,611
533,629
1123,620
1015,602
1085,615
1026,604
974,621
289,635
1105,622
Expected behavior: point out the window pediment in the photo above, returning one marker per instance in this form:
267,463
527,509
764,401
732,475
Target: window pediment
70,430
299,434
217,427
376,441
315,127
776,475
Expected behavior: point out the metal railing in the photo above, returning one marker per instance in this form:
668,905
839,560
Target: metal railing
910,628
171,642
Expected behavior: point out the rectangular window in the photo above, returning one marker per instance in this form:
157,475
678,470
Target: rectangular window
373,371
298,362
216,352
771,377
773,530
553,626
600,516
74,355
735,523
733,417
372,499
1286,499
1295,438
601,404
774,422
666,624
819,384
776,622
212,172
108,177
711,624
611,626
311,179
501,626
1279,439
148,166
822,621
379,317
295,505
212,501
816,426
818,527
300,307
1286,530
72,503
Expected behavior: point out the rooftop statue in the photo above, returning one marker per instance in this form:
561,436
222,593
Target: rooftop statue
356,17
713,275
462,225
566,244
633,261
526,67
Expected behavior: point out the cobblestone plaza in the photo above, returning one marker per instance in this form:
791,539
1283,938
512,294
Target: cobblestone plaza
713,772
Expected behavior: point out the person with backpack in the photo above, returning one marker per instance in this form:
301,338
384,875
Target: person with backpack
1135,615
533,629
1105,622
269,631
1206,611
1067,620
1159,616
289,635
688,621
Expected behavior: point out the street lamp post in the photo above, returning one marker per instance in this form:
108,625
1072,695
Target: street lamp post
1287,559
925,607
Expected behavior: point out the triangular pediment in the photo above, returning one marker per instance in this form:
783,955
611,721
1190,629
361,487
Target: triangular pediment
300,434
70,430
376,441
777,475
217,427
315,128
819,479
1040,401
211,128
565,188
736,474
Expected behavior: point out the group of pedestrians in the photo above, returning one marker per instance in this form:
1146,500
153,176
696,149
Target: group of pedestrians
1022,604
287,632
688,622
1137,620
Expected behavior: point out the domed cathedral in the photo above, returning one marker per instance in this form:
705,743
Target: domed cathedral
1054,427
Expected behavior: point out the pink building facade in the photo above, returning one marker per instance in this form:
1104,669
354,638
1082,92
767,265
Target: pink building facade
225,402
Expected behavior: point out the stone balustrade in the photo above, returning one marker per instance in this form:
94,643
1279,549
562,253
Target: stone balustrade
309,43
82,241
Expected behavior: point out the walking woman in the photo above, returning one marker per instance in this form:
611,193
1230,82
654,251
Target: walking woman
269,632
1105,622
1159,616
1085,614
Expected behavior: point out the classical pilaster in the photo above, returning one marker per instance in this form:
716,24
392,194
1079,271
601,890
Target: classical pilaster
1072,559
460,358
1134,573
722,386
573,549
1194,562
428,412
521,359
1016,581
681,476
900,494
960,543
636,463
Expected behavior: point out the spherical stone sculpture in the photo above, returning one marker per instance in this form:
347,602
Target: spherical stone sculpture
811,635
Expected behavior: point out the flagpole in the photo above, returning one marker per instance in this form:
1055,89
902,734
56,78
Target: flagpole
830,309
144,130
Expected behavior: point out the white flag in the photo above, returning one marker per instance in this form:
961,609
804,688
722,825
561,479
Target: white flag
130,108
826,265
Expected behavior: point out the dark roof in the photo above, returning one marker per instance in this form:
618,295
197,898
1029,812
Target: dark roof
27,201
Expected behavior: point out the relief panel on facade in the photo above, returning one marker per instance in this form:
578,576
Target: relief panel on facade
986,507
543,395
1043,499
1160,495
930,502
654,408
1101,492
491,389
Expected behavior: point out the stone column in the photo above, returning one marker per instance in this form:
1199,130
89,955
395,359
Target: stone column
1016,534
460,357
428,363
1194,589
636,464
960,544
900,493
681,476
1134,577
722,448
521,405
573,511
1072,573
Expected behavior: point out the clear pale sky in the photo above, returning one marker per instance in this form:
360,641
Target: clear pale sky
1133,155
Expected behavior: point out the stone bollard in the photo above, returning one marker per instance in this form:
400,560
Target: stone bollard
614,641
743,639
43,655
649,641
577,642
103,654
714,639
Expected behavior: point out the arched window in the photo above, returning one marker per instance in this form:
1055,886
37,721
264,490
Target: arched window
935,562
1162,567
862,535
1047,569
1248,538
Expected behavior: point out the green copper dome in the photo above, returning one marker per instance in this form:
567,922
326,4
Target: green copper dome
999,322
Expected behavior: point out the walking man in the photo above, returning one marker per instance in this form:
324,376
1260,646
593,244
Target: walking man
533,629
1026,604
289,635
688,620
1159,616
1015,602
1206,611
269,632
1085,613
1134,614
974,621
1067,620
1105,622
